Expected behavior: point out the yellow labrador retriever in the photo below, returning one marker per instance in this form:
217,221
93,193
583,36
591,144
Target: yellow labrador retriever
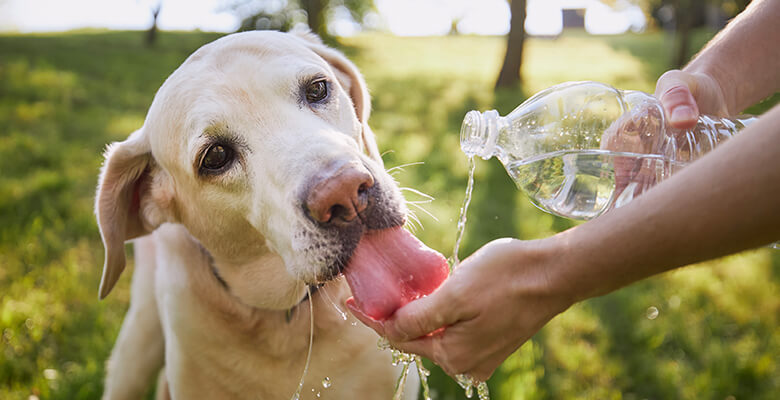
254,175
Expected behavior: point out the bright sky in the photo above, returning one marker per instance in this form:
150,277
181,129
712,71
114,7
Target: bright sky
57,15
402,17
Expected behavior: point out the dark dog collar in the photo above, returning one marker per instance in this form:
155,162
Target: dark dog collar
312,290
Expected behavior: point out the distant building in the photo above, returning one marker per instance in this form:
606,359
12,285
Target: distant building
551,17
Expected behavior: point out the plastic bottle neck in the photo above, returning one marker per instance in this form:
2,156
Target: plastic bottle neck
479,133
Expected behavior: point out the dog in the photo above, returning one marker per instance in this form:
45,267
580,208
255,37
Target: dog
254,175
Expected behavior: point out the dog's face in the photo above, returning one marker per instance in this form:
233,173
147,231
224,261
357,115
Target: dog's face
258,144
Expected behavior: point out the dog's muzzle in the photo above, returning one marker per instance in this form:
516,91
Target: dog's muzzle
342,202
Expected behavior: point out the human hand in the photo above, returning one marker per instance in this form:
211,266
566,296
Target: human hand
495,300
684,96
635,133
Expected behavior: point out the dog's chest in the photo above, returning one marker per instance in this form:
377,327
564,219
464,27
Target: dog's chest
232,353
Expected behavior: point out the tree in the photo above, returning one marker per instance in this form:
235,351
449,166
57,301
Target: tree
151,33
314,14
513,59
682,16
285,14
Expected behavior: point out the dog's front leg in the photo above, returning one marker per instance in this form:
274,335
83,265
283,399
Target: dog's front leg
139,350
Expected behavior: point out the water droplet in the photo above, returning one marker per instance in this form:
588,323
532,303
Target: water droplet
383,343
318,395
482,391
326,383
651,313
353,323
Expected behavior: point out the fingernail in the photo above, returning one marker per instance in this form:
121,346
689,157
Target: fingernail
682,114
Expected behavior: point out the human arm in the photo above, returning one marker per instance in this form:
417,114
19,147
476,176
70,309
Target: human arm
506,291
736,69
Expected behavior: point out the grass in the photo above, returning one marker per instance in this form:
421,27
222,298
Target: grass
64,96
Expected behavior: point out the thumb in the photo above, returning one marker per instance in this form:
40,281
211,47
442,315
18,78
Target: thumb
674,91
423,316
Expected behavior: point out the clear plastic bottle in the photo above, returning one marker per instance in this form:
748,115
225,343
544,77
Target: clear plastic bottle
579,149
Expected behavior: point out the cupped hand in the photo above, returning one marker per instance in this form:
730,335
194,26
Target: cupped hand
494,301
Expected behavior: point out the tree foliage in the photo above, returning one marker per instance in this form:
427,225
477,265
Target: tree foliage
682,16
285,14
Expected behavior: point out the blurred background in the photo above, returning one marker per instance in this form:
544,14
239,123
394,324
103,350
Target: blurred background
76,75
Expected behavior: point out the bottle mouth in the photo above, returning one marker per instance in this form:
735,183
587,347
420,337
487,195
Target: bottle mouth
473,134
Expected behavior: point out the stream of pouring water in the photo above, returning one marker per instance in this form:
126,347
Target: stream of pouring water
466,382
461,227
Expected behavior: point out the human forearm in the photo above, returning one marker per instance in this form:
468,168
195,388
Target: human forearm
726,202
743,58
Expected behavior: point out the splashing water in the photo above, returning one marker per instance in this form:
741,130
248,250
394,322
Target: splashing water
469,384
297,394
405,360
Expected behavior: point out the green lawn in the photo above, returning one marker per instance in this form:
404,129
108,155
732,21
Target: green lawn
63,97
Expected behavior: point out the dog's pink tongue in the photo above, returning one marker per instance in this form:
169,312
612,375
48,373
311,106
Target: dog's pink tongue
391,268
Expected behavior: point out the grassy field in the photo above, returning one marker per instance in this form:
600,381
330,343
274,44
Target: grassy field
708,331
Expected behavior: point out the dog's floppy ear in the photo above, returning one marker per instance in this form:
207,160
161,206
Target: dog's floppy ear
352,81
125,205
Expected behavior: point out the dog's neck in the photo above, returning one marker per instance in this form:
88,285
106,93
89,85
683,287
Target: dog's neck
217,271
312,289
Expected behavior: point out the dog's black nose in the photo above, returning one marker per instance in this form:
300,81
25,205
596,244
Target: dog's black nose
339,196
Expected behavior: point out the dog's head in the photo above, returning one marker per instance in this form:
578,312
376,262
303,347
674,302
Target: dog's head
259,145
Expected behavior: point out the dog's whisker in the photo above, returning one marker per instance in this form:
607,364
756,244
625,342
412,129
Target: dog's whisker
401,167
413,222
417,192
386,152
421,208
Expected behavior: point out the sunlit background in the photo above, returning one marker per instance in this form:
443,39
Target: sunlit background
401,17
78,74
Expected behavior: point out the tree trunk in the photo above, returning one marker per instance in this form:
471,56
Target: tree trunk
510,70
683,32
151,34
314,14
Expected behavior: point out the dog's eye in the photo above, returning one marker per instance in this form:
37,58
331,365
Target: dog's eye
216,157
317,91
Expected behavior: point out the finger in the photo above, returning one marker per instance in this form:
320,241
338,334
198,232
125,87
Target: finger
674,91
482,373
364,318
423,316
